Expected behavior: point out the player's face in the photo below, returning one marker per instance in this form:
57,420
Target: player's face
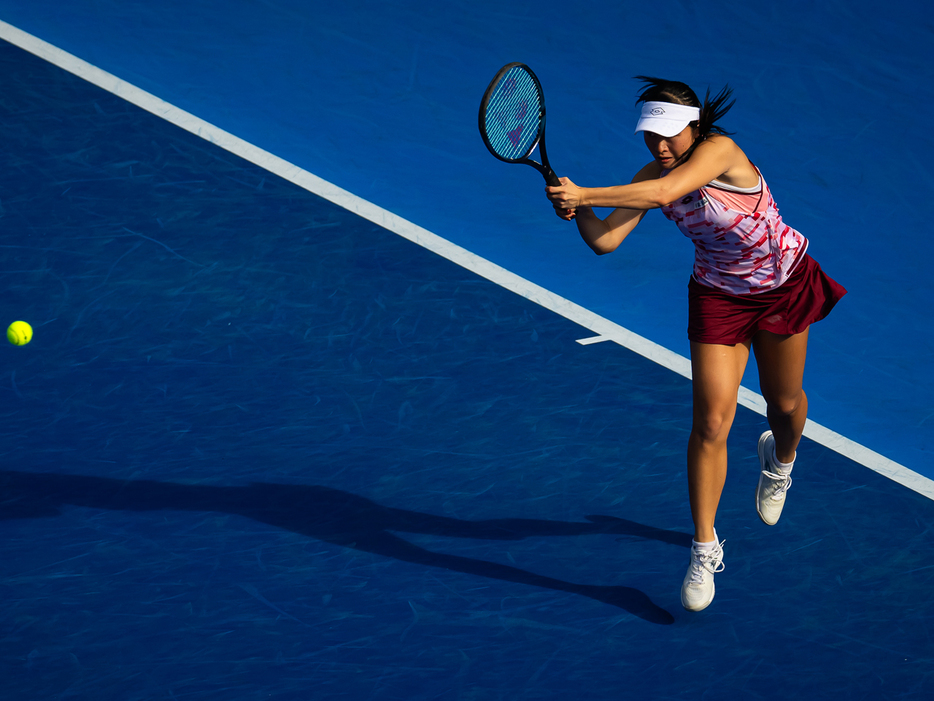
669,150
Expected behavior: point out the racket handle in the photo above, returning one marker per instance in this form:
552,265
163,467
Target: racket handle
550,177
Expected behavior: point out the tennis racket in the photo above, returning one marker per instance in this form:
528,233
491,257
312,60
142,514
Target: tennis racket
512,118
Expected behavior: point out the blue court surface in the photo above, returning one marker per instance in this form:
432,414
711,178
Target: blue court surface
264,447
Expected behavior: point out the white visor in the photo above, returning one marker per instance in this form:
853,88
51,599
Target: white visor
666,118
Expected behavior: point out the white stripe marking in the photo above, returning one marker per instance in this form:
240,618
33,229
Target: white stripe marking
606,329
592,340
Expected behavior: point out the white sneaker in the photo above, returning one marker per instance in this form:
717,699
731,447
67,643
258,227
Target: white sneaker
770,492
697,590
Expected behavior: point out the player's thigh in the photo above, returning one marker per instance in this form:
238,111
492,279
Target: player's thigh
717,371
781,360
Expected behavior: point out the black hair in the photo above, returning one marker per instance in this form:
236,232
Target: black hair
673,91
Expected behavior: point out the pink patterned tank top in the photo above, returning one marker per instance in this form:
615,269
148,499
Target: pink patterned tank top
740,252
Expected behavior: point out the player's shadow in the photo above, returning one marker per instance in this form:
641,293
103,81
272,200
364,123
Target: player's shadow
336,517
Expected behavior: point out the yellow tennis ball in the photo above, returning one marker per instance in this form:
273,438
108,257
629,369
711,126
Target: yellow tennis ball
19,333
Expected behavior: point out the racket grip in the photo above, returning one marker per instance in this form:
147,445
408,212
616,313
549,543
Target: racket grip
550,177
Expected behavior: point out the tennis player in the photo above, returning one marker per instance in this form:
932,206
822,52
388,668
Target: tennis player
753,286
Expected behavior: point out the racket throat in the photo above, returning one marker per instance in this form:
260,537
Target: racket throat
544,168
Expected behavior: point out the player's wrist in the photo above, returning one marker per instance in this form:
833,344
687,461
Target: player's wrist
583,197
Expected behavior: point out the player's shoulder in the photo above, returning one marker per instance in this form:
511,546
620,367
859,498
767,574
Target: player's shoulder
722,150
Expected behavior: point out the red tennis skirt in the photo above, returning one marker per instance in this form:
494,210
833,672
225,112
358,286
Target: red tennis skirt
719,317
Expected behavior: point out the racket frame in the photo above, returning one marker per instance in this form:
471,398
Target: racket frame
544,167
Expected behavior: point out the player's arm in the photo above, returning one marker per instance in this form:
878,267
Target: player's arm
605,235
710,160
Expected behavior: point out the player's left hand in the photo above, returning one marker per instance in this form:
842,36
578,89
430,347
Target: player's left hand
566,214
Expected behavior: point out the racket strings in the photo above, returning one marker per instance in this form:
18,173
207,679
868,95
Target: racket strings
514,115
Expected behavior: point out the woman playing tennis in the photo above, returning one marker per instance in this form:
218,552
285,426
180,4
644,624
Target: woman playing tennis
753,286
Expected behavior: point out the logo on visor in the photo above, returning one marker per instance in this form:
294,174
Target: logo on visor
657,111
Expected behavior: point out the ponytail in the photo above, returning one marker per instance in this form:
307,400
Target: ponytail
713,111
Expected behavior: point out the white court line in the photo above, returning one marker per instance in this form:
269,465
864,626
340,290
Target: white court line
593,339
604,328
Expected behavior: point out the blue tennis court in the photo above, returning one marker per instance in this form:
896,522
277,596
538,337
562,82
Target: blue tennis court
263,446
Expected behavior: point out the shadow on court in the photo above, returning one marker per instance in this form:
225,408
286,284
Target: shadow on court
339,518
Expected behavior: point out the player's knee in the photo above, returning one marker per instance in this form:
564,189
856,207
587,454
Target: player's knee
712,426
784,405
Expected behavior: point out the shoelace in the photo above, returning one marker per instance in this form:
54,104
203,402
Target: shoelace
710,560
781,488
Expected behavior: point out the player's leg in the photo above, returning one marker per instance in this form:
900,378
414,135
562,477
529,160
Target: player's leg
717,372
781,362
781,375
